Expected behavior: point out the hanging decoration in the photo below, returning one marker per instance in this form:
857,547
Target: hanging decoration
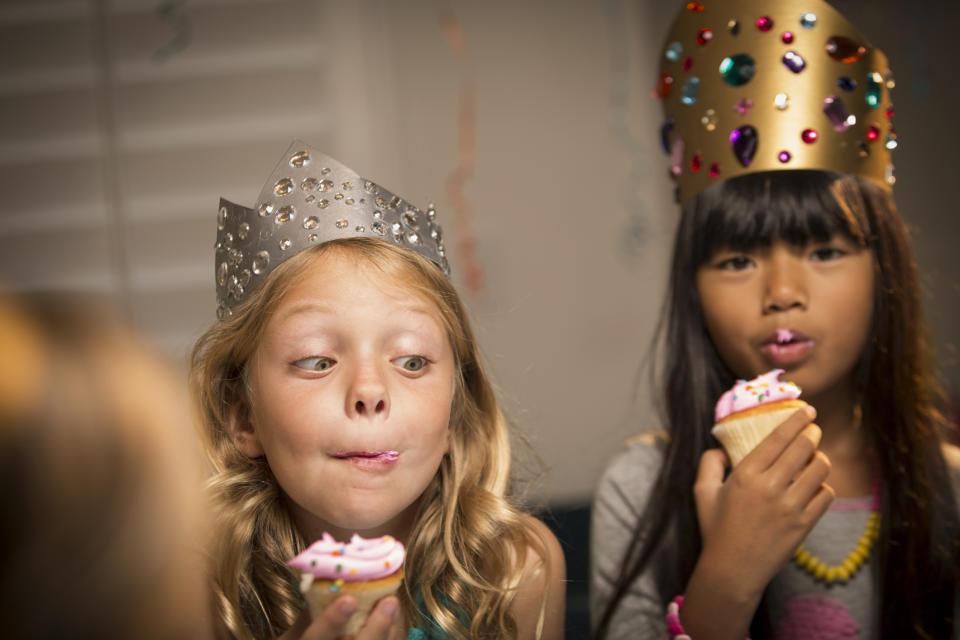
618,112
474,275
172,12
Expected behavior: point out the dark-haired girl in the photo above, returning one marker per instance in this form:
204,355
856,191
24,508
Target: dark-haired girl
790,254
826,257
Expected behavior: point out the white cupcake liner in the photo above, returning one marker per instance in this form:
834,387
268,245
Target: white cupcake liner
367,592
739,436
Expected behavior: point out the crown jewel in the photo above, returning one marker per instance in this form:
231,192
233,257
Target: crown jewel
310,199
754,85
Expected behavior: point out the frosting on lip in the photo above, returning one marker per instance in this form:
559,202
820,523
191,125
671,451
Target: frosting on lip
359,559
786,348
747,394
784,336
383,456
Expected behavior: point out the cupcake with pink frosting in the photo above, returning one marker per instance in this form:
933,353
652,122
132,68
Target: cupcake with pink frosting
366,569
747,413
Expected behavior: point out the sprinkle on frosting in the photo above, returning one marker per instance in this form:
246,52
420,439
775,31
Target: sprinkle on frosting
360,559
747,394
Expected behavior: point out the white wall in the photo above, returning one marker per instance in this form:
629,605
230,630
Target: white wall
112,161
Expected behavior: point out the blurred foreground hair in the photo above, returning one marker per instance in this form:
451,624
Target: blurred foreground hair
100,477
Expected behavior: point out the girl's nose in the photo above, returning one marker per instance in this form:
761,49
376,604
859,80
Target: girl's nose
367,396
785,288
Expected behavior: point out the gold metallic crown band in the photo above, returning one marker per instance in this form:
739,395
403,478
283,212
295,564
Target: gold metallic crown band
753,85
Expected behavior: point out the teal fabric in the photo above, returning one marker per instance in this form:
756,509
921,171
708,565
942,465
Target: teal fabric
428,629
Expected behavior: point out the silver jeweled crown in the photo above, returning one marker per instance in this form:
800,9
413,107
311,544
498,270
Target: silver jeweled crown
309,199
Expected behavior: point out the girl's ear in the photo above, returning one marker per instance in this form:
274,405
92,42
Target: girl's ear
241,428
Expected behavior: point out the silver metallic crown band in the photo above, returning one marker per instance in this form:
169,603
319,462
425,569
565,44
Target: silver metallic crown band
310,199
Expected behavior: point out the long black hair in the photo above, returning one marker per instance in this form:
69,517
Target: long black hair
919,547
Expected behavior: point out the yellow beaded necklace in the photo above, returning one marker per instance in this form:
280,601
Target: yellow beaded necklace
842,572
845,570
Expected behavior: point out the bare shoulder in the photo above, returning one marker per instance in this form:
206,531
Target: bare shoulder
542,587
951,453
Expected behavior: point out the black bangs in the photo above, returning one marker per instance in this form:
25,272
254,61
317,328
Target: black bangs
754,210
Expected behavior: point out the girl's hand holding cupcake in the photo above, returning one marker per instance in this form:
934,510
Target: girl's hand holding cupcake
385,622
367,570
751,522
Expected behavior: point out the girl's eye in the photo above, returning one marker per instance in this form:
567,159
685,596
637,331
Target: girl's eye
315,363
413,364
735,263
823,254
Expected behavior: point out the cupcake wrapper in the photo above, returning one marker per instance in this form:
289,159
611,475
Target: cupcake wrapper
319,596
740,435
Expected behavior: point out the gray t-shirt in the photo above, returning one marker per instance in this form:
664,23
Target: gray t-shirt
798,603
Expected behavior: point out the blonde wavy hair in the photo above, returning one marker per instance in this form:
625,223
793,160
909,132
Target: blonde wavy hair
469,543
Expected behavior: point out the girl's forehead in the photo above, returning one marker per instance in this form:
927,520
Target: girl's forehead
341,271
747,220
344,284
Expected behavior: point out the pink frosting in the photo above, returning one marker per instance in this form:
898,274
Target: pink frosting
747,394
360,559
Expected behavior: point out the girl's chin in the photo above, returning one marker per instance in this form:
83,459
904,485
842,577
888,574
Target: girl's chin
341,523
368,522
364,530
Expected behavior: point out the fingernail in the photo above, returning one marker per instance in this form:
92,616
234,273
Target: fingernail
389,609
347,607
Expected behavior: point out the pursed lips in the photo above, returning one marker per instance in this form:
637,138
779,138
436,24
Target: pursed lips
369,459
786,347
393,455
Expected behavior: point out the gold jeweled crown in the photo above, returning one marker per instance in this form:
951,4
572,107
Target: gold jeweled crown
754,85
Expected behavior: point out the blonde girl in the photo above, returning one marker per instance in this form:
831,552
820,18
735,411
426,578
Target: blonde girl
341,337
